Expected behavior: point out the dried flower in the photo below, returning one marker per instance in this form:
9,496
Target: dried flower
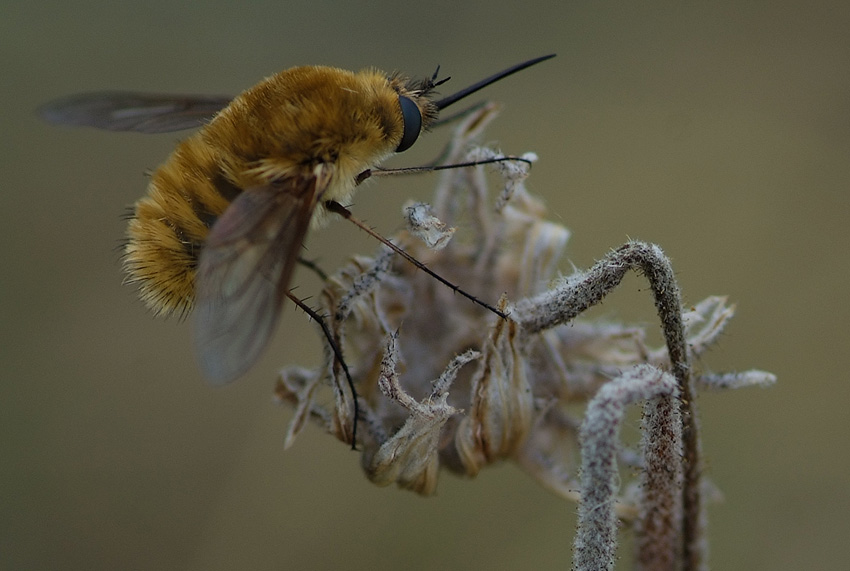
443,383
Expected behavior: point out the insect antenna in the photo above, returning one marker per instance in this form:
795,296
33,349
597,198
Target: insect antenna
337,351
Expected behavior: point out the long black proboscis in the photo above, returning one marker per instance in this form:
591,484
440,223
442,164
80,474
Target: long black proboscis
446,101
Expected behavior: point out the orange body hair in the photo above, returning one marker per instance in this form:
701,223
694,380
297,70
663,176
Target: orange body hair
285,126
221,227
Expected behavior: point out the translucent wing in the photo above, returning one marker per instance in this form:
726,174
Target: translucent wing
128,111
244,272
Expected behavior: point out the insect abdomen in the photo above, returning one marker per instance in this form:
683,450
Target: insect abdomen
170,224
284,126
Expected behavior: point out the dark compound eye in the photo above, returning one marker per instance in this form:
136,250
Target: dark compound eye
412,123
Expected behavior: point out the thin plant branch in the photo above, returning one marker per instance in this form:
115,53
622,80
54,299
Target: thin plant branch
596,539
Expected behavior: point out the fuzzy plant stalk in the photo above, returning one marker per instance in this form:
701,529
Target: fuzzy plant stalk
596,539
444,385
659,520
586,289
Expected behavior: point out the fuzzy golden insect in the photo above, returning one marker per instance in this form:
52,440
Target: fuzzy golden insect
222,224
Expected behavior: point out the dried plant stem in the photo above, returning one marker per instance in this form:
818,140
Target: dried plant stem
584,290
659,521
596,539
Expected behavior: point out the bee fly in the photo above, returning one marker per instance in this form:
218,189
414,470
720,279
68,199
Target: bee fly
223,220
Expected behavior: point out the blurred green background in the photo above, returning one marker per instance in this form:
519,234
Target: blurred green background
722,133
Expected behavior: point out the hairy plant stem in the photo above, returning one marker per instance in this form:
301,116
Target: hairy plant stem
585,290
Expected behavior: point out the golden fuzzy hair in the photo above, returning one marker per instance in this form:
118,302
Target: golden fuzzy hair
284,126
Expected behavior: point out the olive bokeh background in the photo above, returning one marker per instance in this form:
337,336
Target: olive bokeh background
721,133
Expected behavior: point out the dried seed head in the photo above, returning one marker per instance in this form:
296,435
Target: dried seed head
444,384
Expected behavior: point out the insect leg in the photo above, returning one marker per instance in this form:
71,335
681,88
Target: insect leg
314,267
346,213
337,351
368,173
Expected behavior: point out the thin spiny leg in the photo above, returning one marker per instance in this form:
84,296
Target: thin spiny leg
314,267
345,213
368,173
337,351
